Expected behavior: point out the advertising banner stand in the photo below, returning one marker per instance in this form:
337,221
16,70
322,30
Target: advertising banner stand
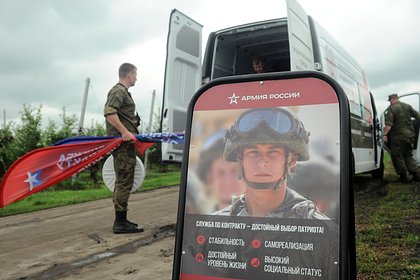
266,185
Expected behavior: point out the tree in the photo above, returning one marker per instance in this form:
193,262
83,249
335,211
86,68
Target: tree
28,134
96,130
6,155
54,133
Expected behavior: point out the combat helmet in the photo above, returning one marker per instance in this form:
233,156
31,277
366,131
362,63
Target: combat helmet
267,126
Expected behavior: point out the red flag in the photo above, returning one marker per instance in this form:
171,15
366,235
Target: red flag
141,147
42,168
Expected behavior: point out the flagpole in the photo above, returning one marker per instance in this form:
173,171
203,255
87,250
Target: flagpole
82,115
150,127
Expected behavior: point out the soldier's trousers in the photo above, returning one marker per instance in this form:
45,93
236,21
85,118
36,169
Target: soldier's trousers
402,156
124,165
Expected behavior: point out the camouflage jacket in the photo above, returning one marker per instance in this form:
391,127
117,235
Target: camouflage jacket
398,116
119,101
293,206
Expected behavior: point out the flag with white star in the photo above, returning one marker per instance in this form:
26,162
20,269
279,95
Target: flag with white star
45,167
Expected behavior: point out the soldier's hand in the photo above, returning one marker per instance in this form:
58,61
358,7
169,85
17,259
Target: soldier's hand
128,136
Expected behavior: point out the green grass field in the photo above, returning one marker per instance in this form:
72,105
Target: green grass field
387,227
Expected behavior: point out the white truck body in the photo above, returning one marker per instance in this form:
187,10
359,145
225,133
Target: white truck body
293,43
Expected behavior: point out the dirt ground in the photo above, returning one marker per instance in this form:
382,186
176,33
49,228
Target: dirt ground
76,242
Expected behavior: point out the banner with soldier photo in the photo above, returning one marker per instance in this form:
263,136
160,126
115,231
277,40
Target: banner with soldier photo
261,190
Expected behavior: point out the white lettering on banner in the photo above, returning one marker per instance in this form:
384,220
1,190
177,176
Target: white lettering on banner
310,272
276,259
268,96
233,225
209,224
226,264
289,245
311,229
254,97
221,255
293,270
282,269
217,263
72,159
285,95
288,228
226,241
265,227
237,265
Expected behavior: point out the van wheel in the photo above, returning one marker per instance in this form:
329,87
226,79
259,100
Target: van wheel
379,173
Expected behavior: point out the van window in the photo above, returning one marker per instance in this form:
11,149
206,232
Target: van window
235,47
186,40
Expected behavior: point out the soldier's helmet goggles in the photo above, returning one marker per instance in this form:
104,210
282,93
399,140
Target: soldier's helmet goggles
280,121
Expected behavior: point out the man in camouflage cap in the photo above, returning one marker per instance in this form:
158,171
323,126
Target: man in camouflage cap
267,143
399,131
122,120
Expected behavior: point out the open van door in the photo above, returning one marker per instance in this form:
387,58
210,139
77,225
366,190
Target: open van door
182,78
301,51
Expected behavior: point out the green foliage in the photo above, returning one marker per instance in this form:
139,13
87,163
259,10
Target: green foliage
6,154
17,140
96,130
28,133
55,132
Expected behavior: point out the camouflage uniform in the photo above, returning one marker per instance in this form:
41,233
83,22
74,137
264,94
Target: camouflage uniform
293,206
120,102
402,136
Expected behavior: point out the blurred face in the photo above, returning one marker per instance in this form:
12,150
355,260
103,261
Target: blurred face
224,178
258,66
264,163
132,77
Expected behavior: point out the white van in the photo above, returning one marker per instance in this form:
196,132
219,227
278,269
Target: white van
294,43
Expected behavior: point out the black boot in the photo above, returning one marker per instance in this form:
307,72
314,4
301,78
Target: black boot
405,179
121,225
416,177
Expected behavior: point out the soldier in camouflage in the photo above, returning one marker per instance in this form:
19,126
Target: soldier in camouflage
267,143
399,131
122,120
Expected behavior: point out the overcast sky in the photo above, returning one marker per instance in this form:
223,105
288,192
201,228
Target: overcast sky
49,47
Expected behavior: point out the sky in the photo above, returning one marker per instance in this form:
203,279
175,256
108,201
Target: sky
50,47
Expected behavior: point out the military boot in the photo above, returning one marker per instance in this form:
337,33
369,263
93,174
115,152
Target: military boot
416,177
122,225
405,178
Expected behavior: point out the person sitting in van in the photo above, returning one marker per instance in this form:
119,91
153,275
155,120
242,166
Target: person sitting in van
258,65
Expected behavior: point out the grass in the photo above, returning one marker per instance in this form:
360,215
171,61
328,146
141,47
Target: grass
387,219
387,227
